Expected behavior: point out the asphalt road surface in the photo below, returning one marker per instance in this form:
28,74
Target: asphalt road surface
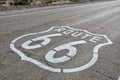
68,42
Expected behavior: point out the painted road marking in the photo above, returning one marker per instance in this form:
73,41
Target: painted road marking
69,46
82,37
70,18
26,45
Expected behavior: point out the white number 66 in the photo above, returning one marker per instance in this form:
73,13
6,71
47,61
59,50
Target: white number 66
49,56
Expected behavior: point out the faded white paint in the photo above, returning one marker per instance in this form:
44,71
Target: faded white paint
46,39
95,39
86,66
69,46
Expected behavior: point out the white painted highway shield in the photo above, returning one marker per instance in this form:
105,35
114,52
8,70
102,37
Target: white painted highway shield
60,49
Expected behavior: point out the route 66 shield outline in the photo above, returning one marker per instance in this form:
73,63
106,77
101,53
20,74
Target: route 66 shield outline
59,29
